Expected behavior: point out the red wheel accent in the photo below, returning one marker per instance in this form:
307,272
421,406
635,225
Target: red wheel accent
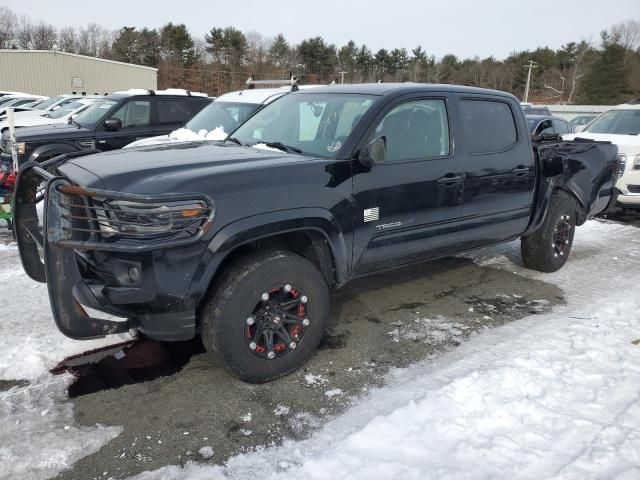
278,323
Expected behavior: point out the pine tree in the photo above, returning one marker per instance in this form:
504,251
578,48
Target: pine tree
607,83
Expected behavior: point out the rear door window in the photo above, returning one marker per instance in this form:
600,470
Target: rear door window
173,111
488,125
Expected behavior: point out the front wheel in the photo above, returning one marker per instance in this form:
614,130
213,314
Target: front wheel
548,248
267,316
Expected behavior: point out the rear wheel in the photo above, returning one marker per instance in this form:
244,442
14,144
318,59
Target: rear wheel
267,316
548,248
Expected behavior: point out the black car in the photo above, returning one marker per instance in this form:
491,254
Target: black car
533,110
545,125
109,124
241,242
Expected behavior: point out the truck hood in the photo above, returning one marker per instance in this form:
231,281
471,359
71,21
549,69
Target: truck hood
172,167
56,131
627,144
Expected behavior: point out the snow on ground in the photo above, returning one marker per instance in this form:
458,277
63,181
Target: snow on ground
38,437
31,343
555,395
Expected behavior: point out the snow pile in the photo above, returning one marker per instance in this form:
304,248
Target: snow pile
38,438
186,135
556,395
31,343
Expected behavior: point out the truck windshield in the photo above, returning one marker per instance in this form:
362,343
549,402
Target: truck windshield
313,123
94,113
619,122
224,115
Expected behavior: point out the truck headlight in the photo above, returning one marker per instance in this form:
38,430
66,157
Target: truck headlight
21,147
141,219
636,163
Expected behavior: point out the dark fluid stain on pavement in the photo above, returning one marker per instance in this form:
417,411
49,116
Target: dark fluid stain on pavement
136,362
407,306
333,340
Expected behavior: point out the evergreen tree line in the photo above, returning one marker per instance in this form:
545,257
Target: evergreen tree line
604,72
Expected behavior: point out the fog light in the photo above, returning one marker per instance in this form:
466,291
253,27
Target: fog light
134,274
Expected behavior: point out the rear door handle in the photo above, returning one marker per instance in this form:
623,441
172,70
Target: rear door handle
450,180
520,171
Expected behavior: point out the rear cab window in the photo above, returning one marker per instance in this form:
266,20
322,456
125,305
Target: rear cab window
488,125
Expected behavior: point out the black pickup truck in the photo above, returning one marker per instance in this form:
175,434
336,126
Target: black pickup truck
242,241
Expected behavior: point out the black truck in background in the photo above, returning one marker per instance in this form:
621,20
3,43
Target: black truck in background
241,242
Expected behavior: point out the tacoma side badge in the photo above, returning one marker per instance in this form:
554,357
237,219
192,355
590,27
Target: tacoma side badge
371,214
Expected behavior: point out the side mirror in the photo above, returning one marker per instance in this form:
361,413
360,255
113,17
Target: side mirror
113,124
374,152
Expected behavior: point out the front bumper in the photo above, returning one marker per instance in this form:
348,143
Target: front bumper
629,186
82,271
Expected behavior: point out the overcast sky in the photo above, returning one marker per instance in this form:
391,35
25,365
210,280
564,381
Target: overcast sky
463,27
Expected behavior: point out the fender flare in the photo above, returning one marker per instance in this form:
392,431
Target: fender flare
251,229
542,205
51,149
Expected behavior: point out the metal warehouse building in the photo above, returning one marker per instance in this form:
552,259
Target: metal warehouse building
48,72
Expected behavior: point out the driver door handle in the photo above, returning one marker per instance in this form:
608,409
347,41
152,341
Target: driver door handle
520,171
450,180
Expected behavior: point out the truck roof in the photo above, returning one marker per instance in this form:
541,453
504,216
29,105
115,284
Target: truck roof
384,88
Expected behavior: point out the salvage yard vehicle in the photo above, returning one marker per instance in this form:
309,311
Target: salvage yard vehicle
578,123
37,109
620,126
111,123
241,242
547,125
224,114
60,115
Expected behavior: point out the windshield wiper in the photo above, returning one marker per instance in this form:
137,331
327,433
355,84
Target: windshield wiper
234,140
282,146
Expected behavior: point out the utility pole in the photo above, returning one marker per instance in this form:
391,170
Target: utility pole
342,76
526,88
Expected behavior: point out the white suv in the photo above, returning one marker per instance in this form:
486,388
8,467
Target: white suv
222,116
621,126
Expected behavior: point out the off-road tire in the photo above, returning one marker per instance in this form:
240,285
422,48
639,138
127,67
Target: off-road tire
227,308
540,250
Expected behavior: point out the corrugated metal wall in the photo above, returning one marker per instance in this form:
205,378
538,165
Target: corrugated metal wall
43,72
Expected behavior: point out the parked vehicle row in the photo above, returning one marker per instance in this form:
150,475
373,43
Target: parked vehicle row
620,126
110,122
241,241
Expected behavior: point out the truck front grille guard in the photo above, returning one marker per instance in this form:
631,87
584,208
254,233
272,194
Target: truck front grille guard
62,234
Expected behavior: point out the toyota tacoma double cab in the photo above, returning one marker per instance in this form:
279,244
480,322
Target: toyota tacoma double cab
241,241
